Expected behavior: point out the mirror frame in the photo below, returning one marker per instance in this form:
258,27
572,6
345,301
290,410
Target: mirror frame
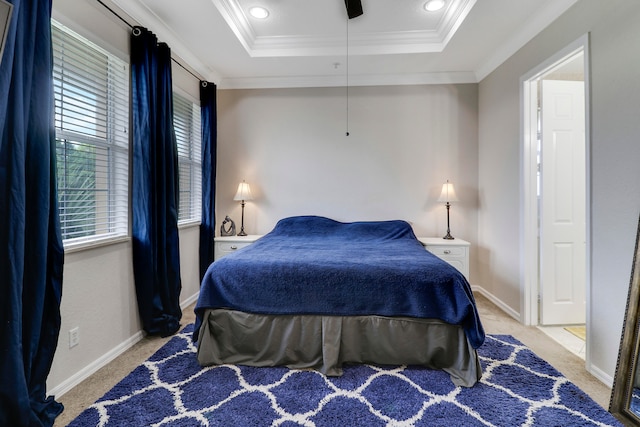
6,9
628,352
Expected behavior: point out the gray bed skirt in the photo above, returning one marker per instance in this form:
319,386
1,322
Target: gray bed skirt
324,343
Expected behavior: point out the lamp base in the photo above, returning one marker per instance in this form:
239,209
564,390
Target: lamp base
242,233
448,236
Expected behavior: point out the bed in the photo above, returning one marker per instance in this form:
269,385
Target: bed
317,293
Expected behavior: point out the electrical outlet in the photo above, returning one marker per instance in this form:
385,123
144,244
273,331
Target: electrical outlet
74,337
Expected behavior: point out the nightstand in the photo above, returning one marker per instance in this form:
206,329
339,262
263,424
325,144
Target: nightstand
224,245
455,252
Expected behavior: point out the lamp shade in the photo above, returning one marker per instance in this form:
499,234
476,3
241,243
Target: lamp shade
448,193
244,192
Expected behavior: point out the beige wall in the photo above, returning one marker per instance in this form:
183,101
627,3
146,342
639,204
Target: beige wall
615,152
404,143
99,298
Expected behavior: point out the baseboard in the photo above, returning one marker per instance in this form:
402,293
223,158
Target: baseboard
93,367
187,302
605,378
602,376
497,301
107,358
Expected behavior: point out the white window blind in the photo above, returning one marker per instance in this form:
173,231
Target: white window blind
91,90
186,122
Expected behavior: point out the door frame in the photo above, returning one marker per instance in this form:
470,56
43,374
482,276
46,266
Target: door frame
529,201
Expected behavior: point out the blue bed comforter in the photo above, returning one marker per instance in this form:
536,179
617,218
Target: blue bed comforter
315,265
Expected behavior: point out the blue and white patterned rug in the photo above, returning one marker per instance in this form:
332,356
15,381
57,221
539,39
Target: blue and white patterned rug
171,389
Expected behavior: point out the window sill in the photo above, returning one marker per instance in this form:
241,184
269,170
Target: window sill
82,245
94,243
188,224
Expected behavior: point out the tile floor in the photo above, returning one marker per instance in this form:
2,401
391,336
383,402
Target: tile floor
565,338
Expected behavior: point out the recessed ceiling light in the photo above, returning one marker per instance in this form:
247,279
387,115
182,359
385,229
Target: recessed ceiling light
259,12
434,5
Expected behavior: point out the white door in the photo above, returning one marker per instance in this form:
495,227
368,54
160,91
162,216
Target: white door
562,204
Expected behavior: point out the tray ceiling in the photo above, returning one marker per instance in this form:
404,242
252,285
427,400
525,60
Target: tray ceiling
313,43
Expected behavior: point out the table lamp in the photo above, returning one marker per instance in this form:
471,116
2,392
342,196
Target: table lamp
243,194
448,195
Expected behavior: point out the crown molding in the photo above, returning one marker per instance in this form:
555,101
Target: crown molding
384,43
393,42
535,25
144,17
354,80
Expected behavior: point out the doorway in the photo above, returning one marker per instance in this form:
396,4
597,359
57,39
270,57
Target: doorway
556,190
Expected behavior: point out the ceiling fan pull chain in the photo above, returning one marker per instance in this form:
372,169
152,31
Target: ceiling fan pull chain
347,75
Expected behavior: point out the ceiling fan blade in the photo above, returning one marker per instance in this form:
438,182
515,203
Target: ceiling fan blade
354,8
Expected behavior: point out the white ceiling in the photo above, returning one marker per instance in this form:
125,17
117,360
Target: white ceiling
307,43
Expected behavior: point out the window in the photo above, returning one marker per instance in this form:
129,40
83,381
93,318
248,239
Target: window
91,91
186,122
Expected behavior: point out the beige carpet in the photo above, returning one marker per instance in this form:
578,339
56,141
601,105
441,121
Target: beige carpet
495,321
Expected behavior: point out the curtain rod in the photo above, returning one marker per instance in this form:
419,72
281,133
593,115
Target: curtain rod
115,13
131,26
186,69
